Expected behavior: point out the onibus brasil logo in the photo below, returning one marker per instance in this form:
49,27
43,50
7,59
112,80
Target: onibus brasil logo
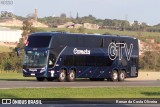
115,49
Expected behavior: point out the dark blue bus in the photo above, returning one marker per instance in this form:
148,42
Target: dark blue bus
67,56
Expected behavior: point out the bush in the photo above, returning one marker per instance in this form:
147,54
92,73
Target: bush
10,62
150,61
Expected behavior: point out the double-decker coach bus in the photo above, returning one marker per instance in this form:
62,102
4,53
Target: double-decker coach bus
67,56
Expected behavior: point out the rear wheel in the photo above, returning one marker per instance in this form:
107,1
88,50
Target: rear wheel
62,76
71,76
122,76
114,76
40,78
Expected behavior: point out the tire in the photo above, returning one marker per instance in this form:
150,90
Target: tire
40,78
71,76
50,79
62,76
122,76
114,76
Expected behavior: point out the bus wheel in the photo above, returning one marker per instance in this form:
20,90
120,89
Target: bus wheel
114,76
121,76
62,76
71,76
40,78
50,79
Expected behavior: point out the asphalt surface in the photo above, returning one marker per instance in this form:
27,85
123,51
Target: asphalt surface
4,84
79,83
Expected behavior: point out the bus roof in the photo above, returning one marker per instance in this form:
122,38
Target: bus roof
77,34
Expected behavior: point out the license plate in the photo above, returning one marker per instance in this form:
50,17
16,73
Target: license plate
33,74
33,70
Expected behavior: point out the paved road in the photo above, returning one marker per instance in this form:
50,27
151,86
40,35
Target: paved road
79,83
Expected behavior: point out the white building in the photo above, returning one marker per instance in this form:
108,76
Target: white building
10,35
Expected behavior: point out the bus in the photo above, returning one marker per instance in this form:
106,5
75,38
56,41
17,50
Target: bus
67,56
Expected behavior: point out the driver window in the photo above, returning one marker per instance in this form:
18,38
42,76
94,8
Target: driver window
51,61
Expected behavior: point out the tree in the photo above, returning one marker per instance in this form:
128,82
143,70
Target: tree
77,16
135,25
30,16
143,26
81,29
27,28
63,15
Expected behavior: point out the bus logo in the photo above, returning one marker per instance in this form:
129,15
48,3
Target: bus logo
115,49
83,52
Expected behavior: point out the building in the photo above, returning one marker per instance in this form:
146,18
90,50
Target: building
8,35
73,25
90,26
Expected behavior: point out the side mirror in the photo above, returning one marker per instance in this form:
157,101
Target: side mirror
18,50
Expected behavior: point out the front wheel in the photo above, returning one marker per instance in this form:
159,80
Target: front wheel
40,78
71,76
62,76
114,76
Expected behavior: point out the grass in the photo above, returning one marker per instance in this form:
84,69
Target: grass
5,49
9,76
121,92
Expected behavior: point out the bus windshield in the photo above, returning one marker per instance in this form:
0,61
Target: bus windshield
35,59
38,41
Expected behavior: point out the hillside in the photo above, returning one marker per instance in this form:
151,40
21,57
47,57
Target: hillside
19,23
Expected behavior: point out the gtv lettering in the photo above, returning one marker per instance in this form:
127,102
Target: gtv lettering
115,49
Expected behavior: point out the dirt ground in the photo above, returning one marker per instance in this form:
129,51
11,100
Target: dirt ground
147,76
9,45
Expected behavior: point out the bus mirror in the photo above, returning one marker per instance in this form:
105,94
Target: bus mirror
18,50
45,53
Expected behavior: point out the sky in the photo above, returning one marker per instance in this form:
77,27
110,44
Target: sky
147,11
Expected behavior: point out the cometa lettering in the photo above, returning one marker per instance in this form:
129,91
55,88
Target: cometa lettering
83,52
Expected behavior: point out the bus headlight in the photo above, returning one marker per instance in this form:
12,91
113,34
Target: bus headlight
43,69
24,70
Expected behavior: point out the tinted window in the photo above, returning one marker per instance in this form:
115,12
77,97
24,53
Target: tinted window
73,60
39,41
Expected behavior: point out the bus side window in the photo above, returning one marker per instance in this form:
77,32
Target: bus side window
102,43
